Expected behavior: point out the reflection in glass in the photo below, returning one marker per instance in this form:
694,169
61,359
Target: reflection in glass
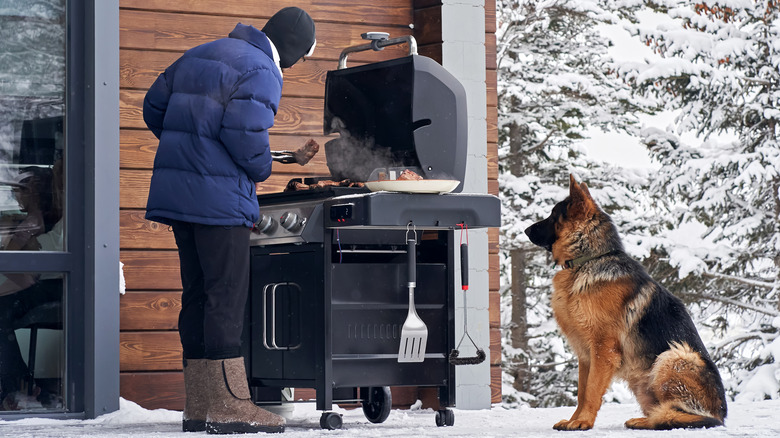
32,346
32,149
32,103
37,224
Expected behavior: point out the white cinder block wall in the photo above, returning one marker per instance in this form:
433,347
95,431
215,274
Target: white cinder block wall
463,54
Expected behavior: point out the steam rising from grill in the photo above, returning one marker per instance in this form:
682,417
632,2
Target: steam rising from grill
351,157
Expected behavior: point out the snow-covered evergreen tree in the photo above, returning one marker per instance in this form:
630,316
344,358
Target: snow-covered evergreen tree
719,73
555,83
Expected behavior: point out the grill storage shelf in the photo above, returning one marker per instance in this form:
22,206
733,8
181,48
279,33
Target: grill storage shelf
328,315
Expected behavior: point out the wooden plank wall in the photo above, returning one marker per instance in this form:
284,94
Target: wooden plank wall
492,155
153,33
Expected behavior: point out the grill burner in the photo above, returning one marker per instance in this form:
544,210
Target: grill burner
306,195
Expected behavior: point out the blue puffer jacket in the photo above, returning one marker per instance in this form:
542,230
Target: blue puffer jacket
211,110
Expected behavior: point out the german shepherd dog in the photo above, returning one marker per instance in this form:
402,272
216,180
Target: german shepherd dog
623,324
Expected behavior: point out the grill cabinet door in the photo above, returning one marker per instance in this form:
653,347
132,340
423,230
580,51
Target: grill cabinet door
283,291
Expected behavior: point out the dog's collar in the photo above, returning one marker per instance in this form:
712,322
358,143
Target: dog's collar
579,261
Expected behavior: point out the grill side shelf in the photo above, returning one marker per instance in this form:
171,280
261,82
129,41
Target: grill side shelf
425,211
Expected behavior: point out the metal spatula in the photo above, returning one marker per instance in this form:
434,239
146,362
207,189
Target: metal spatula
414,334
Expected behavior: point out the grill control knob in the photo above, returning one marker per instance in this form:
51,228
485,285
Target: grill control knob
290,221
266,224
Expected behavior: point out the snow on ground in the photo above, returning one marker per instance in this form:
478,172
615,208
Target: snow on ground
755,419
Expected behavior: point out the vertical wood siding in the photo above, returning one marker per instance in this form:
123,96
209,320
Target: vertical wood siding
153,33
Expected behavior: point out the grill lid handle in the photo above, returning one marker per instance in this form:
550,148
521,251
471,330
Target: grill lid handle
379,40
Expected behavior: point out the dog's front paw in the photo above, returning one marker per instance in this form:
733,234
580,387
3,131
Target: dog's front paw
573,425
639,423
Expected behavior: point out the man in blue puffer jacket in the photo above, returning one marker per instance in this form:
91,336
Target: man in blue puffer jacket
211,110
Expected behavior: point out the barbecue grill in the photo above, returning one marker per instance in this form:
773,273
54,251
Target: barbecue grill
328,266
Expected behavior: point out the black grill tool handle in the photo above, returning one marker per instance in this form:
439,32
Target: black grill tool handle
464,266
455,358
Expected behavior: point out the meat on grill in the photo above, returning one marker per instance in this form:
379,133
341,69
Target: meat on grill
408,175
305,153
295,185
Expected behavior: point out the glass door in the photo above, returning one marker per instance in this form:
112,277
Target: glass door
33,247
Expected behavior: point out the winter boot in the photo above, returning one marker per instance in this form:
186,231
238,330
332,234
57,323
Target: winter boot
196,395
231,409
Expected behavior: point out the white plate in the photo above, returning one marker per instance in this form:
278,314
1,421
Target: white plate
412,186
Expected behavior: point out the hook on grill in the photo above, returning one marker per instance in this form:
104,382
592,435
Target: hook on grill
411,228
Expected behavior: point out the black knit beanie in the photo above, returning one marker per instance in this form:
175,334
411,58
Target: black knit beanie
292,32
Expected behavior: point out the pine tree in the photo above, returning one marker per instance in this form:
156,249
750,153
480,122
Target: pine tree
719,73
555,83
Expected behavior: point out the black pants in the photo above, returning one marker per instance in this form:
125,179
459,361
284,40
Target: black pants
215,280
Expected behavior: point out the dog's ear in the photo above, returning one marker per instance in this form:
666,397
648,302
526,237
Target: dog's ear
580,195
576,190
585,191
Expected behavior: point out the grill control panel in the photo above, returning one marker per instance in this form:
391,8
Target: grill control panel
284,224
342,212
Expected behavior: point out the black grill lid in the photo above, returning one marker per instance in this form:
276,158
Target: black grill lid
407,112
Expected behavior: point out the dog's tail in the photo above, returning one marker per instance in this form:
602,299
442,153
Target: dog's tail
687,392
667,417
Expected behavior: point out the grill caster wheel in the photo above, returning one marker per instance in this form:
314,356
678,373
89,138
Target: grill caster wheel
377,402
331,421
445,417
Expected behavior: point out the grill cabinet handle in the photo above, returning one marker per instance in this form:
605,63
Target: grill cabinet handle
272,309
265,316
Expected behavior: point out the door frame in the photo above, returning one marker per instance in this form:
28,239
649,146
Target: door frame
91,262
